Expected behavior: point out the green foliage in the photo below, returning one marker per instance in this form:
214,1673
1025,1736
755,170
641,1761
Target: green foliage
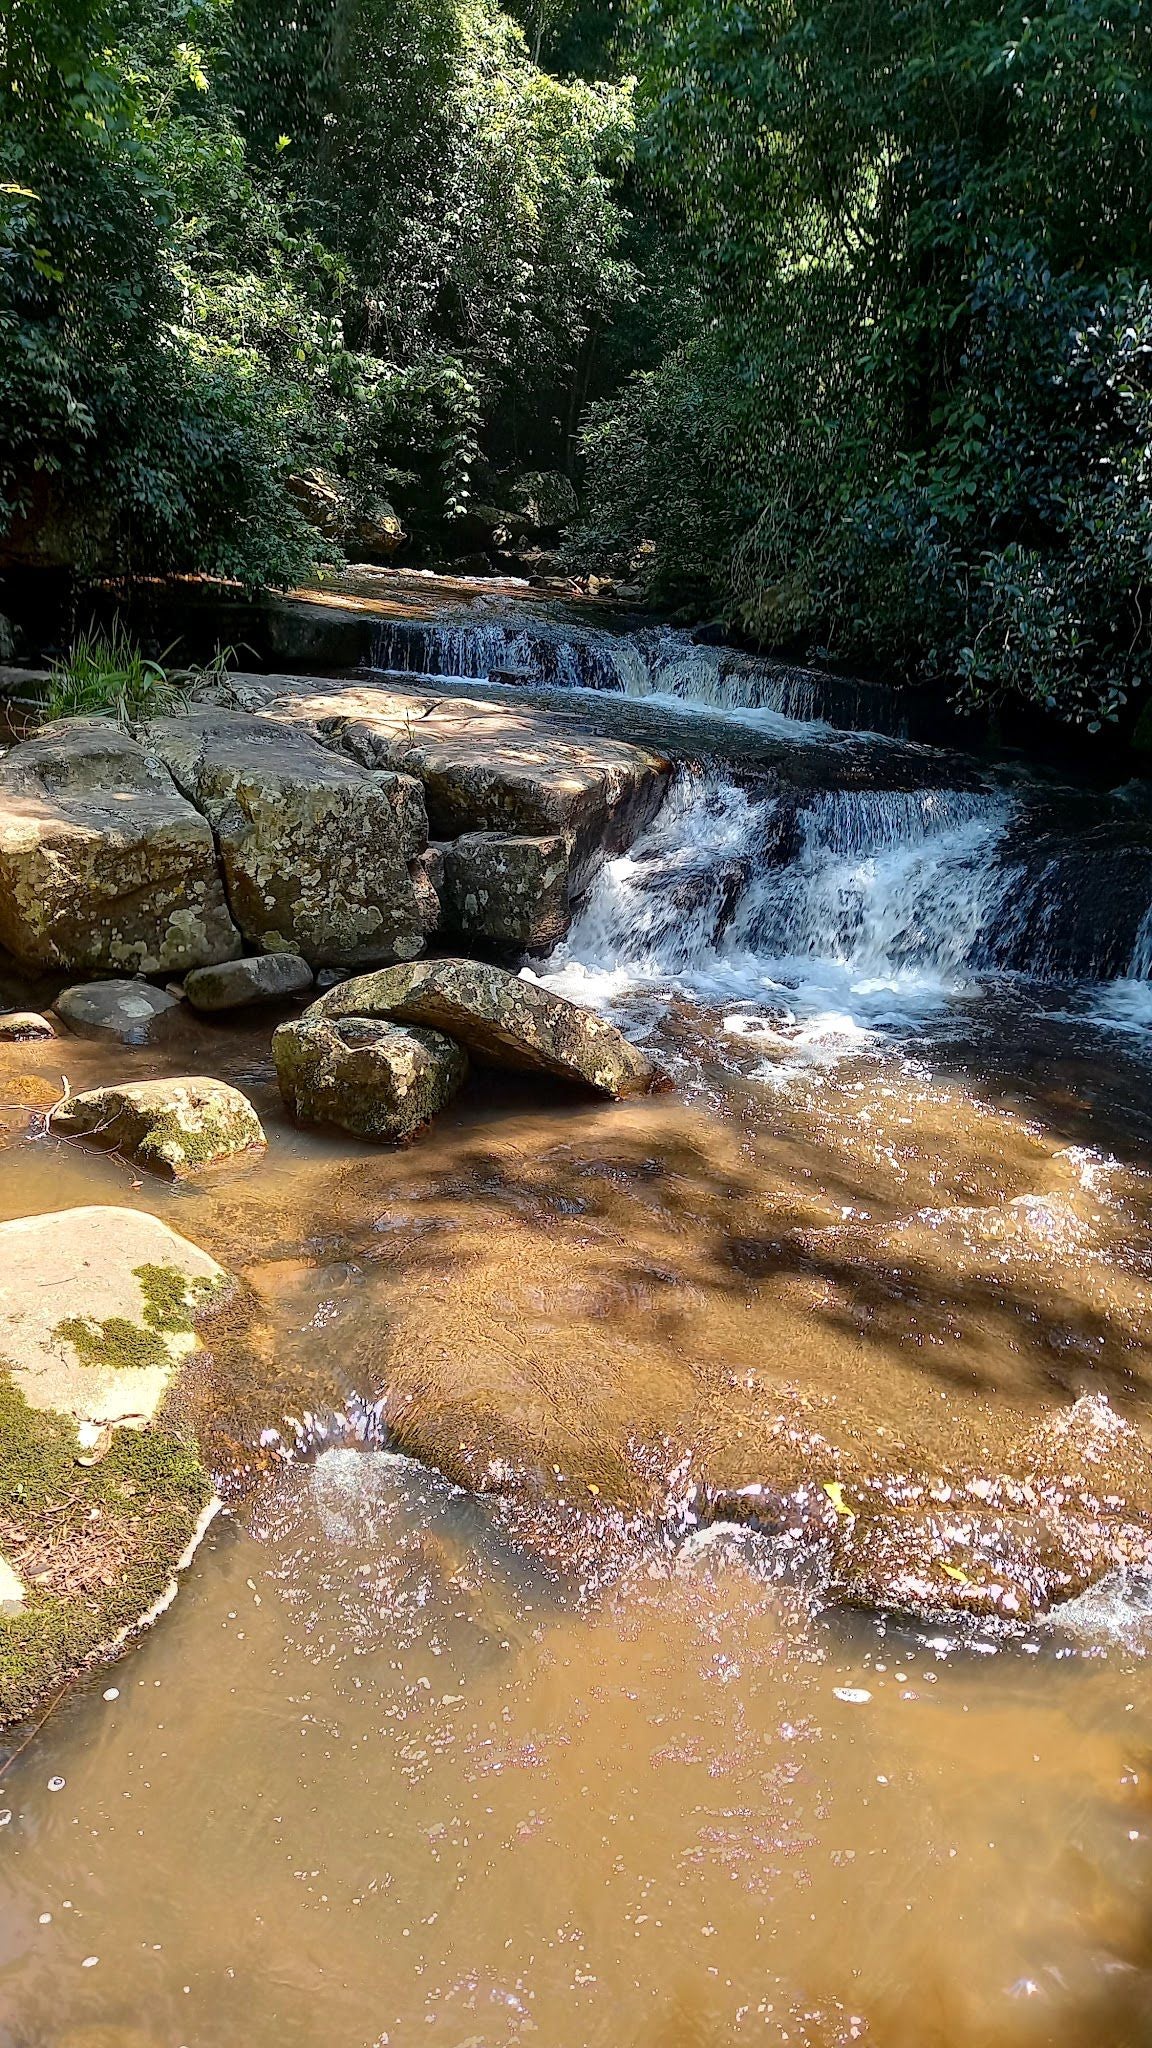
104,675
239,244
914,426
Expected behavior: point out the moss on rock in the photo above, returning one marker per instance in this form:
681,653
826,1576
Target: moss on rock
95,1546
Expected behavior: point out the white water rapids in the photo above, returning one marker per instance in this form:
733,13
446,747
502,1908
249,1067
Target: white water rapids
866,911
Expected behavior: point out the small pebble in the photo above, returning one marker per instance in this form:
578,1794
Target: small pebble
89,1962
113,1693
5,1817
56,1784
852,1695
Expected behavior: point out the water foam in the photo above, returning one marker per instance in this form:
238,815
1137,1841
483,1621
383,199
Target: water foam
853,913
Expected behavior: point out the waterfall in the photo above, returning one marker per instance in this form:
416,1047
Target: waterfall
874,904
658,664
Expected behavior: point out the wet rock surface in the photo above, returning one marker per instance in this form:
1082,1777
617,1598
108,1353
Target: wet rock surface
25,1027
373,1079
175,1128
103,864
315,850
130,1011
502,1020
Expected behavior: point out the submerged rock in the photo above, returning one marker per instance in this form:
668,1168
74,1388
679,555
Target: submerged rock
509,893
125,1010
503,1020
371,1078
1074,1505
315,849
269,978
103,863
175,1128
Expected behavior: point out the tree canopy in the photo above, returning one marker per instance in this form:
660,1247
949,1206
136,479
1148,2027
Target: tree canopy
838,313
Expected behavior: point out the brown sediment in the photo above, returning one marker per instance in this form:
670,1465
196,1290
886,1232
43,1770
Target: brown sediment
613,1317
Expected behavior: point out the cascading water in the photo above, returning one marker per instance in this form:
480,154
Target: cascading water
658,664
870,905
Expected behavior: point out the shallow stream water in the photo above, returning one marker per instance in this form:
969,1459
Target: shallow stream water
547,1758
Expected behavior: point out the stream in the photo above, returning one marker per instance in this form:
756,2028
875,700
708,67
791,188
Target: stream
529,1760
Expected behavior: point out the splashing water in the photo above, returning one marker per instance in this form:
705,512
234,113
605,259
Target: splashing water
856,911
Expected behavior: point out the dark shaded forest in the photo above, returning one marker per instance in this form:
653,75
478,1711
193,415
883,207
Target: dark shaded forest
830,322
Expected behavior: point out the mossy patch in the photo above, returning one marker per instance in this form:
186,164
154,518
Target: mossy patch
115,1345
171,1304
177,1145
95,1546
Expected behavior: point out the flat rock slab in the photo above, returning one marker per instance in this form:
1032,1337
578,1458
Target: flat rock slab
25,1027
374,1079
489,767
315,849
269,978
104,865
503,1020
174,1128
97,1311
125,1010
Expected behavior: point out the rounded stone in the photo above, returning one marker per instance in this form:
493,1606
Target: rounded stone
125,1010
266,978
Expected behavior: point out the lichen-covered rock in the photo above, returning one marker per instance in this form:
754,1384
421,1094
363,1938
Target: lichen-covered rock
504,1022
367,1077
175,1128
428,881
489,767
125,1010
315,849
103,863
508,893
269,978
103,1312
546,498
24,1027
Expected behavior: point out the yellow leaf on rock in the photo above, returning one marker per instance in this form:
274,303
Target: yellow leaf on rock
835,1492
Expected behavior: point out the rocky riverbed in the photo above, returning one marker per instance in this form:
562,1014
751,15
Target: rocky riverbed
894,1327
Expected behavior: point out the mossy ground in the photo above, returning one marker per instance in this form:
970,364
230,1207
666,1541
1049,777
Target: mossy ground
95,1547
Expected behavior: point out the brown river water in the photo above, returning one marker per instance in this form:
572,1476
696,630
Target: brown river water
542,1759
552,1673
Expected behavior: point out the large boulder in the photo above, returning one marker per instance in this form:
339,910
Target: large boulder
175,1128
236,984
315,849
508,893
373,1079
104,865
546,499
503,1020
489,767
